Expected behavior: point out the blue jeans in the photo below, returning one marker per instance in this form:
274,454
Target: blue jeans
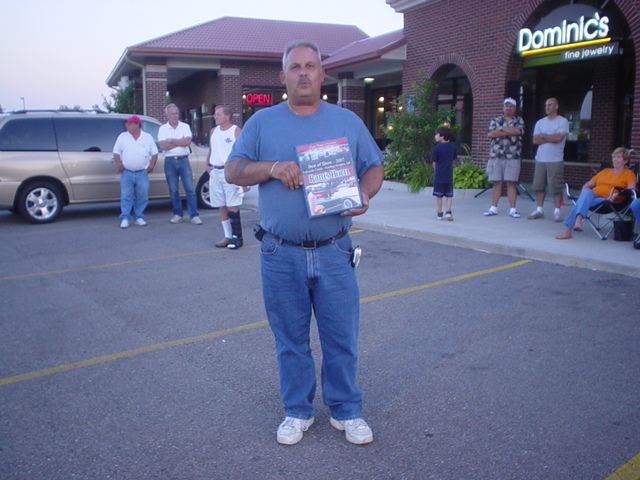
635,208
295,282
586,200
134,193
174,169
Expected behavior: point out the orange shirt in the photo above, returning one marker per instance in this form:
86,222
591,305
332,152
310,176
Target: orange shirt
606,179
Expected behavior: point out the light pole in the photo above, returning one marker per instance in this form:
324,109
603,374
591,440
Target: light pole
23,104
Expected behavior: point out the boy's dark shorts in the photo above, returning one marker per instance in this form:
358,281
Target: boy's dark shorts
443,190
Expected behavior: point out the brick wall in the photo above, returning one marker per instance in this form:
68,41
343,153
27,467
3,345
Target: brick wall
156,87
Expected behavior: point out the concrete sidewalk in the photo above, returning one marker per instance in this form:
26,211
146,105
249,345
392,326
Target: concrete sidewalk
395,210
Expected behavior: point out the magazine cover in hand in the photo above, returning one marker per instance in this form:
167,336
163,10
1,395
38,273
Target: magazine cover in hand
329,176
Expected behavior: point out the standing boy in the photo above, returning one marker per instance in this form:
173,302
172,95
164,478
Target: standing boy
442,157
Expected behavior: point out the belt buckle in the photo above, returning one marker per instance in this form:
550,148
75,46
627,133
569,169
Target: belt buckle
305,244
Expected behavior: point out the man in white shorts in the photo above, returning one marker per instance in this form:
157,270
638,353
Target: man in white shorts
505,154
226,196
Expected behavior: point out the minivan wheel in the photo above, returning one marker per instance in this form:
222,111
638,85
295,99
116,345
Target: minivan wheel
40,202
202,192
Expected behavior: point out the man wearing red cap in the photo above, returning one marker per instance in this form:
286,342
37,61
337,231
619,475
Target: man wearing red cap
135,153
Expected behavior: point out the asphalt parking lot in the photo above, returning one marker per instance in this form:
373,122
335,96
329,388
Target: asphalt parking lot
144,354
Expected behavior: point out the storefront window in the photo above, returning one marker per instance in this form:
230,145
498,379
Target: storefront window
454,91
384,101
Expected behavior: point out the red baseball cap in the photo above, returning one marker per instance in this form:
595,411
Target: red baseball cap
134,119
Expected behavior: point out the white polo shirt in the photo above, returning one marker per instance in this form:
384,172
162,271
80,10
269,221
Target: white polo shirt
166,131
135,154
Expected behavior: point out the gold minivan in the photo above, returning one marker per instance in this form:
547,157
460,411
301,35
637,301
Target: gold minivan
49,159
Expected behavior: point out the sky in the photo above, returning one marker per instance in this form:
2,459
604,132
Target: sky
60,52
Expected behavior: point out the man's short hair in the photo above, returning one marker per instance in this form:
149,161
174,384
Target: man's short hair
300,43
444,132
226,110
166,109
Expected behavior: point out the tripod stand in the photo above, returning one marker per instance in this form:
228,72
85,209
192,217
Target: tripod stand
518,185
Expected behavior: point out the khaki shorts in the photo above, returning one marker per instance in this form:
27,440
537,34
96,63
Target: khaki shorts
548,173
499,170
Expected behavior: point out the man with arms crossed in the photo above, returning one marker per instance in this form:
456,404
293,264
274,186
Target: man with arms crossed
550,134
306,264
505,154
174,138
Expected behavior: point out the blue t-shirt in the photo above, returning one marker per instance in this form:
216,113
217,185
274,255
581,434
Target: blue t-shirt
444,153
273,134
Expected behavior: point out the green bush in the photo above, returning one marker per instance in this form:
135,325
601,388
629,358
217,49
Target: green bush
468,175
420,176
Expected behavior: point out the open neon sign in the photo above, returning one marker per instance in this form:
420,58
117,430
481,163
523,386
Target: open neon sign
258,98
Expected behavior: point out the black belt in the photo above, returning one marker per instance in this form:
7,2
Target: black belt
180,157
217,167
260,232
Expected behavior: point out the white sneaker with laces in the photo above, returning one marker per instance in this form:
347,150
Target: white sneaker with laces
356,430
490,213
176,219
196,221
514,214
291,430
124,224
140,222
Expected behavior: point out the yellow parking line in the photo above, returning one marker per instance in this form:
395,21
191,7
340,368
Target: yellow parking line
442,282
629,471
160,346
128,353
117,264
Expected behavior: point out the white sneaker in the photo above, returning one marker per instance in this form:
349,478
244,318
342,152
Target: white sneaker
557,217
196,221
124,224
514,214
176,219
357,430
291,430
140,222
490,213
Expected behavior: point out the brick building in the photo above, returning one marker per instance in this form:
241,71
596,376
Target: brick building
480,51
237,61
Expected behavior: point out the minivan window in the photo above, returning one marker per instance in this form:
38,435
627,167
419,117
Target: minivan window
87,134
28,134
151,128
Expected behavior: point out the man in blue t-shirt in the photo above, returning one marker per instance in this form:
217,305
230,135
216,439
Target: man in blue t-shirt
307,264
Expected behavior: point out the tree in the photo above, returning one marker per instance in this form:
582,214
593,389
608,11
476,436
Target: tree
122,100
65,108
411,131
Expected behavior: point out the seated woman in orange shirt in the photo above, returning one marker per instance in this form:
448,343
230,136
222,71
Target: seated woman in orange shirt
599,189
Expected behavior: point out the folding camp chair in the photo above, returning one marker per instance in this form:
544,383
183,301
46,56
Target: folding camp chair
603,217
